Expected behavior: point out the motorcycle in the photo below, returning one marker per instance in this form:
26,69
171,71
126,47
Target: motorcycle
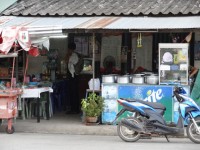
148,119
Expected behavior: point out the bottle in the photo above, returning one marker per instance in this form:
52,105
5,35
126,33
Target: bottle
8,84
2,87
63,67
190,81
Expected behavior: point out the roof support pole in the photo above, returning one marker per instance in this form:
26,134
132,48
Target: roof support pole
126,41
93,60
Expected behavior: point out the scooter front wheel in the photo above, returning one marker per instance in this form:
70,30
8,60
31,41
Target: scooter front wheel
192,132
127,134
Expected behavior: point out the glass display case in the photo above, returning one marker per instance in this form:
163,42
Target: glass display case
173,63
87,68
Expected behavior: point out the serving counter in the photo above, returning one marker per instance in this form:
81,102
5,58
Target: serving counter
151,93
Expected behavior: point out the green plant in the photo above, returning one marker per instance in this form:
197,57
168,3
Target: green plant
93,105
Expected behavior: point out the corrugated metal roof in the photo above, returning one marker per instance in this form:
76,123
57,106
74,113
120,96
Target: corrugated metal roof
103,7
124,23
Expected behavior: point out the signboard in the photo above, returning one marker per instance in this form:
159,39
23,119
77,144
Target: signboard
173,63
160,94
110,95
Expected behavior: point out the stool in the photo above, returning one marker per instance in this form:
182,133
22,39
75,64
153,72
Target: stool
43,106
32,108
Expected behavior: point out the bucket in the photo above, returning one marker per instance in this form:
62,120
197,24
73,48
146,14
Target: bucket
96,84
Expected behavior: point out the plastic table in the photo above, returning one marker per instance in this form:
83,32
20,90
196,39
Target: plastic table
35,93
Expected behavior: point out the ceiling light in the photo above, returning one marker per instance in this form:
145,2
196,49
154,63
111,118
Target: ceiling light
59,36
139,31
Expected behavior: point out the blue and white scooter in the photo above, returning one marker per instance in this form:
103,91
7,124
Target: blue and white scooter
149,119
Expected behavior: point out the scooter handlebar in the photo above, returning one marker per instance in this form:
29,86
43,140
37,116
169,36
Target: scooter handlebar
178,97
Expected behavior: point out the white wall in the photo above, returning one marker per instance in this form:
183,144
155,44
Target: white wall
35,63
61,45
143,54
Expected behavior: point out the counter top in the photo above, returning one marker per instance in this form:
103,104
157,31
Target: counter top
132,84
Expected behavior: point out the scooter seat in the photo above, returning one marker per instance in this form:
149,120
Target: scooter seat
154,105
160,108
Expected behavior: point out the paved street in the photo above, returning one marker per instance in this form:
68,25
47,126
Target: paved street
36,141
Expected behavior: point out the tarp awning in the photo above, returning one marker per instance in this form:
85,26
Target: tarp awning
108,23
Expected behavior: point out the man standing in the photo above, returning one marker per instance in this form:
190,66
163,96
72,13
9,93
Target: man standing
71,61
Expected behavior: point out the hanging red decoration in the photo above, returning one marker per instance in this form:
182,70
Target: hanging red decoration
33,51
1,39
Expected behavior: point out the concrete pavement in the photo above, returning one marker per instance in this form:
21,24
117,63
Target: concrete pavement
38,141
61,123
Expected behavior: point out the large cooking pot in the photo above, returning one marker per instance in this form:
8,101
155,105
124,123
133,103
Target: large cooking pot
136,79
152,79
123,79
147,73
138,75
108,79
115,76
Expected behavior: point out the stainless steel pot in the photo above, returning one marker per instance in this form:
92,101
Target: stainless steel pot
146,74
115,76
123,79
137,79
108,79
152,79
138,74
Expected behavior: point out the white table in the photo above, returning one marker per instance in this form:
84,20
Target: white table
34,92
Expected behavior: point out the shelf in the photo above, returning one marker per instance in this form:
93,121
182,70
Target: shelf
9,55
5,78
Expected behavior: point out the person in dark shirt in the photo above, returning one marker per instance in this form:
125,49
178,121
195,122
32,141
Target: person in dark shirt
71,60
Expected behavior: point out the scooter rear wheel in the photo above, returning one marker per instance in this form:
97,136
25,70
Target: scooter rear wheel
192,132
127,134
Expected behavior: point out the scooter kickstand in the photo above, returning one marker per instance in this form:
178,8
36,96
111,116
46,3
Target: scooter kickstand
167,138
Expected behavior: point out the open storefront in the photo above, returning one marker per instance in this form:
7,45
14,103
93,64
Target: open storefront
121,38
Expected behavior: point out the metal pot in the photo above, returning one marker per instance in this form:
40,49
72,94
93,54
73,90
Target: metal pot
123,79
108,79
146,74
137,79
152,79
115,76
138,75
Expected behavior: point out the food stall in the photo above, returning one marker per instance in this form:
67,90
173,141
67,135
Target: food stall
11,38
13,42
147,86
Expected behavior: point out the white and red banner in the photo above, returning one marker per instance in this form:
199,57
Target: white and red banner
11,34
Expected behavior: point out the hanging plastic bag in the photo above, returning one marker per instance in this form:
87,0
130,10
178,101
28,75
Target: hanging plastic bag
96,84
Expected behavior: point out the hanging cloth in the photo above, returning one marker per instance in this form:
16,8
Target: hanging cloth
23,38
9,35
